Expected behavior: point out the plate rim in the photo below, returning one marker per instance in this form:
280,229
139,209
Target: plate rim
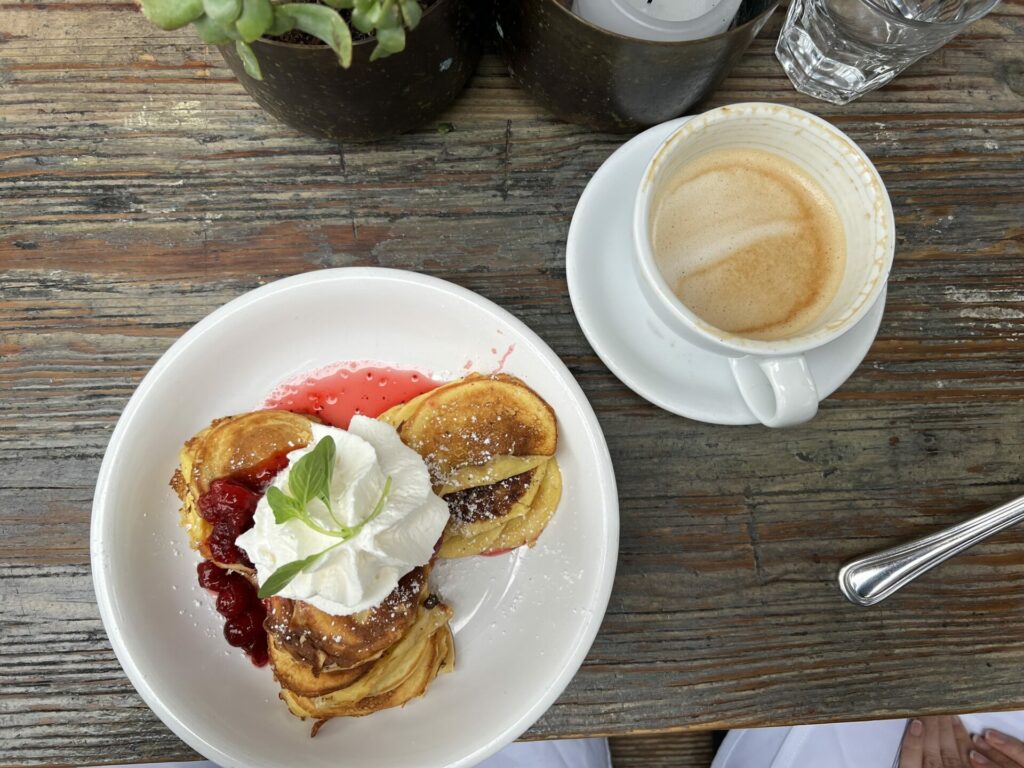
593,434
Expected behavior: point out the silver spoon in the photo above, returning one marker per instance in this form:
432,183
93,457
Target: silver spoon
871,579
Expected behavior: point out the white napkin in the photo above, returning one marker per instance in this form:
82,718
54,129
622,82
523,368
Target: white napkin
574,753
871,744
570,753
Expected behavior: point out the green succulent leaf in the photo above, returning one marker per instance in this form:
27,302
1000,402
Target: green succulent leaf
281,24
219,22
211,32
223,11
256,18
249,61
367,15
389,41
411,13
323,23
172,14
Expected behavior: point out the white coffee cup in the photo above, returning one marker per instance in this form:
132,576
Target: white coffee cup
773,376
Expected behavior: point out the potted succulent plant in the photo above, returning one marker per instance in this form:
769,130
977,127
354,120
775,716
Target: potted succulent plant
326,67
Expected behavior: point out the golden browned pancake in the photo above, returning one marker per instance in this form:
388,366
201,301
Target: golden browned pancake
488,502
493,472
397,414
298,676
310,663
326,642
524,529
229,447
524,521
401,674
477,419
489,442
392,653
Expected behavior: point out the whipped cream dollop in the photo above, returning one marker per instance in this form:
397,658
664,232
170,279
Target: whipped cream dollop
364,570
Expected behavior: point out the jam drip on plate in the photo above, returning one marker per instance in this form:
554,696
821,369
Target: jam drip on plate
230,504
349,389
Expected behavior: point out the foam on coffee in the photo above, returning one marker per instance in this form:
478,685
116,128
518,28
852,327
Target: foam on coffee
749,242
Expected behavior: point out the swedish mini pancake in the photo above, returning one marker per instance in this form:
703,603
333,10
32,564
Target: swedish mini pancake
228,447
374,660
479,418
489,442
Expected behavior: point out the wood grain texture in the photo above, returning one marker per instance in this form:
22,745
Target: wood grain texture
140,188
669,750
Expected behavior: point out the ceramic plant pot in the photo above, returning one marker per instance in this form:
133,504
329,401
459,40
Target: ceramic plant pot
305,87
586,74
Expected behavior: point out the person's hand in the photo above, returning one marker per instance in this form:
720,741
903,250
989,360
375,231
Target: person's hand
995,749
936,742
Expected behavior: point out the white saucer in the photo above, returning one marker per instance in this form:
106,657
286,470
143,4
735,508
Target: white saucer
638,348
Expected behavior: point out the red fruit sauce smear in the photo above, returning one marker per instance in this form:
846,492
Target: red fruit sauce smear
230,504
338,393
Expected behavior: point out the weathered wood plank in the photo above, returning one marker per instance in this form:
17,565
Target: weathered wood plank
140,188
674,750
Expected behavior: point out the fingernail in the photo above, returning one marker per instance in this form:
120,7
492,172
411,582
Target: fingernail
995,737
978,739
980,759
916,727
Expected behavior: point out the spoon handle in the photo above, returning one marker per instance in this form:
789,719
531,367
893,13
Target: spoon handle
871,579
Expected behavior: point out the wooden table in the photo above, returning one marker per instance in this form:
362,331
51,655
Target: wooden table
141,188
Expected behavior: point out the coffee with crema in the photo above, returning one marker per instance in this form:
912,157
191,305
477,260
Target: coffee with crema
749,242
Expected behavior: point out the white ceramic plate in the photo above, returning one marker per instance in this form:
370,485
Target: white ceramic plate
524,621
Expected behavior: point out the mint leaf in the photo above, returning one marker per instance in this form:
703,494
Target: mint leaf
283,576
310,477
330,450
290,508
284,507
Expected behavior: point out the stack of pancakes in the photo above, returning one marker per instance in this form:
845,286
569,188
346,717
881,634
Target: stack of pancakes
327,666
489,443
337,666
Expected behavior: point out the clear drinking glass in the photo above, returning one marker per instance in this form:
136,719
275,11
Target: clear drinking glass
838,50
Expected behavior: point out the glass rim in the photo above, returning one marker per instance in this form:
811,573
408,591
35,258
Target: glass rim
983,9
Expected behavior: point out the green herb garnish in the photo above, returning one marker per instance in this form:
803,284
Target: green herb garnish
310,479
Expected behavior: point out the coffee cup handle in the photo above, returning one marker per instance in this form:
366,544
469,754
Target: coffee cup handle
778,390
